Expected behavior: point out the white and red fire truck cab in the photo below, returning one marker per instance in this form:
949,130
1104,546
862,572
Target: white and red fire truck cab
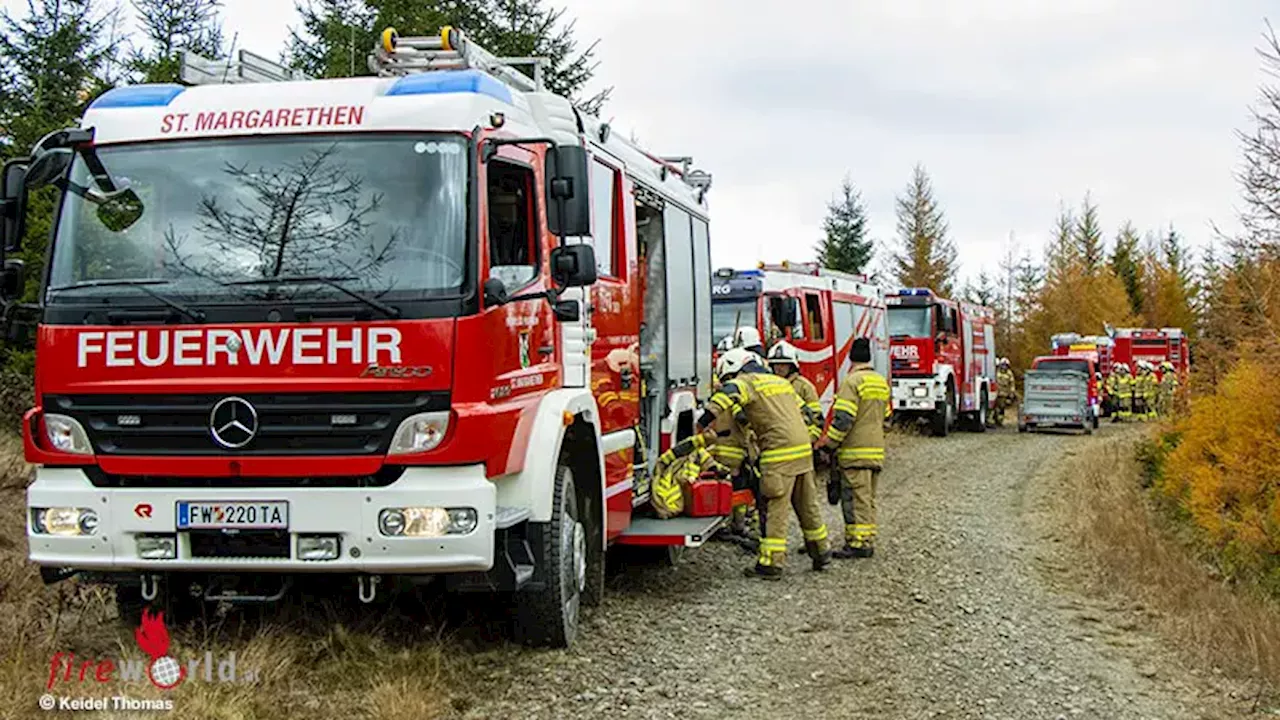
943,356
819,311
428,323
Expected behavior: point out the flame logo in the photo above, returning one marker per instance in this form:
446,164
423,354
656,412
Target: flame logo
153,637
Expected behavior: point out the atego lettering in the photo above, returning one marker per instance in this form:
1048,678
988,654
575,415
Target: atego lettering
215,347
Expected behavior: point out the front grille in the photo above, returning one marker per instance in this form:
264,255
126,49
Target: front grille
385,475
241,544
287,424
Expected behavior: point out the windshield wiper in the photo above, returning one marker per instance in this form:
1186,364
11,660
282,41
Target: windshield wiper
333,282
141,284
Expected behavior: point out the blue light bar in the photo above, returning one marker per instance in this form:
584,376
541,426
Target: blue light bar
913,291
451,81
751,273
136,96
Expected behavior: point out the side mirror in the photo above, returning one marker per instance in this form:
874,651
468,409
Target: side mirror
119,210
566,310
13,280
48,166
13,205
568,195
573,265
495,292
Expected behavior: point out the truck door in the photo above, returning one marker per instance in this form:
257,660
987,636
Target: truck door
968,386
615,354
817,354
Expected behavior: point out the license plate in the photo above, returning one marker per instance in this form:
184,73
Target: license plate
261,514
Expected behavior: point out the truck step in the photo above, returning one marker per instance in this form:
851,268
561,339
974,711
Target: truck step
510,516
682,531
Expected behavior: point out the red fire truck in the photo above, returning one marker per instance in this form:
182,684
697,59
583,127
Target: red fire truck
943,356
820,311
1154,346
427,324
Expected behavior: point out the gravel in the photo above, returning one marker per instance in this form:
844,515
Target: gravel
951,619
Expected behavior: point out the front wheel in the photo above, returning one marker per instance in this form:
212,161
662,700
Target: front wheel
550,616
980,417
944,415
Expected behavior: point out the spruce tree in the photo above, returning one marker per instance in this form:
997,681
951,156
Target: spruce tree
1088,237
335,38
927,257
169,27
1126,266
845,246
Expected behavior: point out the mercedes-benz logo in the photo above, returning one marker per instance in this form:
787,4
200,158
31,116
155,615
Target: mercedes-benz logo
233,422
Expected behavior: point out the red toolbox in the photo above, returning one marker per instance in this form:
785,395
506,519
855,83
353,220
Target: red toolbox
708,497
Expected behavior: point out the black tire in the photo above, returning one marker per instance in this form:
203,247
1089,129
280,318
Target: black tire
549,617
980,418
944,417
672,556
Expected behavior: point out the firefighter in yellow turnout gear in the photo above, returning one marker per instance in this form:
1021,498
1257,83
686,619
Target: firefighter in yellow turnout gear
784,360
1168,389
769,406
1122,392
1007,396
1144,392
857,431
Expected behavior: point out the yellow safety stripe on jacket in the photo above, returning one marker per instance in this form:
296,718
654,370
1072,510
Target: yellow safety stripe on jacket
770,547
780,455
873,387
730,452
682,448
842,421
861,453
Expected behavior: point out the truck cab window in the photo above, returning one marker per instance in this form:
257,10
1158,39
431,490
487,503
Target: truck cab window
513,248
813,313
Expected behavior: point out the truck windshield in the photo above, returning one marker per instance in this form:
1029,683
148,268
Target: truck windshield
726,315
913,322
385,214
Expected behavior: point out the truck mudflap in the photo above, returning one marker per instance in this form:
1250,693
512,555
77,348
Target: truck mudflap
128,516
676,531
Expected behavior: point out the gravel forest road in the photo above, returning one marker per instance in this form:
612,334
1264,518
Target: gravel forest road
955,617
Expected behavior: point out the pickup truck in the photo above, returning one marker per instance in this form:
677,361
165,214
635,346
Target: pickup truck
1058,395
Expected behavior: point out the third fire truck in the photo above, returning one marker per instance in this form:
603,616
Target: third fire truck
943,356
817,310
426,325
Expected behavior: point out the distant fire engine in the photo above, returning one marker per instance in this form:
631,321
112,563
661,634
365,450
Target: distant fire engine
820,311
429,323
943,356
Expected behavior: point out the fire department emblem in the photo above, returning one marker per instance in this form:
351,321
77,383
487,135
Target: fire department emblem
164,672
524,349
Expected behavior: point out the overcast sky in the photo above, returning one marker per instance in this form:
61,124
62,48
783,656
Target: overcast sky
1013,107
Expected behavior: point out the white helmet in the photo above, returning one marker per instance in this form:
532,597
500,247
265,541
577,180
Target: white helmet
784,352
725,343
1003,362
732,362
746,337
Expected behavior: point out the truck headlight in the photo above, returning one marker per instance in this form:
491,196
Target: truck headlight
156,547
65,521
66,434
919,392
419,433
426,521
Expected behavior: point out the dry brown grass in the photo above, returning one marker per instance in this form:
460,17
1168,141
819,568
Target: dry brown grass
1132,551
315,662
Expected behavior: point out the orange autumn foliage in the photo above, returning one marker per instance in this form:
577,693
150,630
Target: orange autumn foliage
1223,472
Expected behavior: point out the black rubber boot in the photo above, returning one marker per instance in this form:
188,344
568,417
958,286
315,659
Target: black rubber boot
865,551
763,572
820,559
846,553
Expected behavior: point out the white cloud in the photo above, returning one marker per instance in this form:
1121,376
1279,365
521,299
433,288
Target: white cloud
1013,106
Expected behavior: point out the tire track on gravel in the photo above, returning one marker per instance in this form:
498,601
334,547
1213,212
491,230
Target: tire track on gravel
950,619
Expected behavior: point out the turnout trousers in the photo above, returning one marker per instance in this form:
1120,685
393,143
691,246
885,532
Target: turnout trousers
858,503
780,493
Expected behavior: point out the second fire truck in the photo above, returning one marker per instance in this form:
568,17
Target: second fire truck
943,356
819,311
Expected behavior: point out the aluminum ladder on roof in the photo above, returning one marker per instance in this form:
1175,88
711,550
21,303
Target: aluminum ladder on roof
451,50
248,67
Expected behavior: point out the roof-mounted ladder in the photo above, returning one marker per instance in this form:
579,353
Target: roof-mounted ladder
246,68
451,50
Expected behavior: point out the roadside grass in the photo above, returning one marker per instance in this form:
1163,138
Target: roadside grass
321,660
1131,550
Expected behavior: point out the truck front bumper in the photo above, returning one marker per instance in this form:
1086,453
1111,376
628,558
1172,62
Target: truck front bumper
351,514
916,394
